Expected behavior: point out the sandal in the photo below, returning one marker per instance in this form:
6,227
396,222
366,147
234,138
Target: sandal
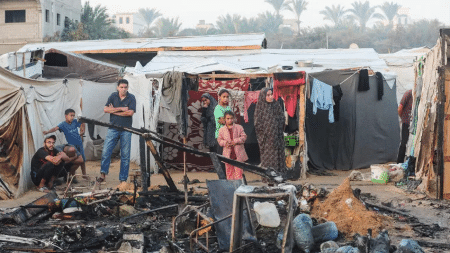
44,189
101,180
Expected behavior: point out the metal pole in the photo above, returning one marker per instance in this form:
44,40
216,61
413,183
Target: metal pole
185,175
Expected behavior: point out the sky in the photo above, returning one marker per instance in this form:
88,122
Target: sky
190,12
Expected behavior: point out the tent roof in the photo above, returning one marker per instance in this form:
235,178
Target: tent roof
404,57
269,60
211,42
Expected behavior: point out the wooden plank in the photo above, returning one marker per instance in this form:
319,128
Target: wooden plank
446,144
156,49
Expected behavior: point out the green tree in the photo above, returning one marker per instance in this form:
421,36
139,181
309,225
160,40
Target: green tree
249,25
167,27
390,11
149,15
363,12
94,24
270,22
334,14
297,7
278,5
229,24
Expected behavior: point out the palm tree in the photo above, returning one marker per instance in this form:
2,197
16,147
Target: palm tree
167,27
390,11
278,5
149,15
297,7
363,12
270,22
229,24
95,21
335,14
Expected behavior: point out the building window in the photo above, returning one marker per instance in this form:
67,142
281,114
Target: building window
66,22
47,16
15,16
58,19
128,20
120,20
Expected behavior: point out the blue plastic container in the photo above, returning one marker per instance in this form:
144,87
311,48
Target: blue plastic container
409,246
304,239
325,232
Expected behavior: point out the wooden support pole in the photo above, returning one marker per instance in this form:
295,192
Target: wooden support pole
143,166
164,171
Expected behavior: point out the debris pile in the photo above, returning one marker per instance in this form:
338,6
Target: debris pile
349,213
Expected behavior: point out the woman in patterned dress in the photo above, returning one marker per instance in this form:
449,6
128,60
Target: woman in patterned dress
269,128
232,138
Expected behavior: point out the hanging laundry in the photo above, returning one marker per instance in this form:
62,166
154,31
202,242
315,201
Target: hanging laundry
380,88
321,97
337,96
237,101
287,86
250,97
235,84
363,80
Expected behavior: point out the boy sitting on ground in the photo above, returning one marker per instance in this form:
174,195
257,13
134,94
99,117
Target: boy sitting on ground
70,129
72,160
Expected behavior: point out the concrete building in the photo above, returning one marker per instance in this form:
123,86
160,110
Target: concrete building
133,23
25,21
203,25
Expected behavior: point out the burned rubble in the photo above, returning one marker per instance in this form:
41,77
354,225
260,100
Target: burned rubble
229,218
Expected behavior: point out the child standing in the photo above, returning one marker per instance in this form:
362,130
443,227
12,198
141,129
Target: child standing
232,138
70,129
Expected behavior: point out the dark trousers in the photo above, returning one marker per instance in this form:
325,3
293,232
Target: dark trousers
46,171
404,142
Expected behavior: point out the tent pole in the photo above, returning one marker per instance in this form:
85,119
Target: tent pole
185,175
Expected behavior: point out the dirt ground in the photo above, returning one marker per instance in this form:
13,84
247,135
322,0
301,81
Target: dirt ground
428,211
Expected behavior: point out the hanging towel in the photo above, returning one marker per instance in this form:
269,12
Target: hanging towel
363,80
250,97
380,81
287,86
337,95
321,97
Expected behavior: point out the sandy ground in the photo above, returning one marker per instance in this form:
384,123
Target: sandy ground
383,192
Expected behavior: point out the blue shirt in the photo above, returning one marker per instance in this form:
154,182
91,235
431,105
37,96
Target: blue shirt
322,98
71,132
129,101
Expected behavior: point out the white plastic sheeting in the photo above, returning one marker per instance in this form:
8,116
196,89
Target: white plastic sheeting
140,44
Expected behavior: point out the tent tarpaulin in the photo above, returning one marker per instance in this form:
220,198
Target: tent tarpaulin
366,133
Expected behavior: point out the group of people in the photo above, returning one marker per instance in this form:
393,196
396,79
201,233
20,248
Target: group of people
51,162
223,135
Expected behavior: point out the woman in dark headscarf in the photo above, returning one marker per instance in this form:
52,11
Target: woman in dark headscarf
209,121
269,127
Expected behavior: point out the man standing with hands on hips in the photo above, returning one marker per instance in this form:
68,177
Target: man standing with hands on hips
121,106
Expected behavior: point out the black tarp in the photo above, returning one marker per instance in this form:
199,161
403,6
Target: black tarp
366,133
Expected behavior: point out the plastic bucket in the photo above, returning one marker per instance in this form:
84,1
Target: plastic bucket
379,173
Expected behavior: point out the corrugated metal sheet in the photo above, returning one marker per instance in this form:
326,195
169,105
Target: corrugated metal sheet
271,60
253,41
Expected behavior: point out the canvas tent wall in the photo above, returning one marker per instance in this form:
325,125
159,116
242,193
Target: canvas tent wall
28,108
402,63
60,64
366,133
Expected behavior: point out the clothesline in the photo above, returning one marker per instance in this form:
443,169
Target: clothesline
357,71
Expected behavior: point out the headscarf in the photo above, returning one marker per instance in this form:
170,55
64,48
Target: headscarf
209,123
269,127
267,112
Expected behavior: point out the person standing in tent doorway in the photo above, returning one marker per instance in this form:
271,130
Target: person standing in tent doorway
404,111
221,108
209,122
70,129
121,106
269,127
232,138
